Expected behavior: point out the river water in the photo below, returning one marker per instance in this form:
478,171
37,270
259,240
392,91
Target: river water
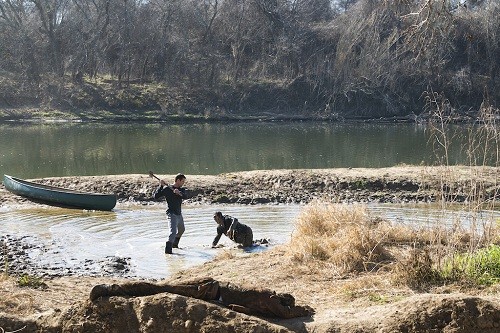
77,149
77,238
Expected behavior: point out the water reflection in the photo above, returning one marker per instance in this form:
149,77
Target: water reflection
431,215
43,150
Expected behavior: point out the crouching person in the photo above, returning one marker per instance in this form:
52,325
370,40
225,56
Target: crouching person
236,231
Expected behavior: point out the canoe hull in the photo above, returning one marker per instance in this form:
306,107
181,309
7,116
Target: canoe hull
59,196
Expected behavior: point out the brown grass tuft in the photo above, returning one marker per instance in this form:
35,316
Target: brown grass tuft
416,269
344,235
17,299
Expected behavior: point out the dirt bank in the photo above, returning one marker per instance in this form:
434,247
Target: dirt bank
365,302
395,184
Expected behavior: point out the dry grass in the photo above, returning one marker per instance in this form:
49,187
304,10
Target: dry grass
62,292
343,235
14,299
344,239
348,239
323,283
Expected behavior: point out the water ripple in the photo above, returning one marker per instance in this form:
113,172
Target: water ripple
77,236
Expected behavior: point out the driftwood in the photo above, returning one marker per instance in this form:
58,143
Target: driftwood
261,302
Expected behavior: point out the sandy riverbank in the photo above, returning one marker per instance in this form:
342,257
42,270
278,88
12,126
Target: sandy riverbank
365,302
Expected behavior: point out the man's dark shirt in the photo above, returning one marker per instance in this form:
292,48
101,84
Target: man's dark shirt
222,229
174,201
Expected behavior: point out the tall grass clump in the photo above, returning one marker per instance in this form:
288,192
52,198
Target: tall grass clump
475,192
417,270
343,235
481,188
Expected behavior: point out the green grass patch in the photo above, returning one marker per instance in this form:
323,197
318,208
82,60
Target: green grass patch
31,282
378,298
481,267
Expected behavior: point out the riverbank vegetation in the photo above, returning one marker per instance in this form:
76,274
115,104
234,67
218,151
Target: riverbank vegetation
346,240
306,59
461,250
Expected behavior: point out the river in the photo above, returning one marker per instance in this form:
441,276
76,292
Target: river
75,238
71,149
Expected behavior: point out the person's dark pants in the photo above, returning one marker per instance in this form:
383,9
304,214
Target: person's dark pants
176,224
244,236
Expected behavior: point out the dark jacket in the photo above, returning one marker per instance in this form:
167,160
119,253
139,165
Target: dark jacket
222,229
174,201
242,233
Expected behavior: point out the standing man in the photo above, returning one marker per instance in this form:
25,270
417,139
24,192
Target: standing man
174,195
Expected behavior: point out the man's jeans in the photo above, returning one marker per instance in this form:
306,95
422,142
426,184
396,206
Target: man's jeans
176,223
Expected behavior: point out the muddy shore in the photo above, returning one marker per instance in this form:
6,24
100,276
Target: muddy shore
395,185
403,184
62,304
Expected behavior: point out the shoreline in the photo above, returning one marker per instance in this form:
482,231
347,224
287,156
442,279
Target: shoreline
398,184
363,302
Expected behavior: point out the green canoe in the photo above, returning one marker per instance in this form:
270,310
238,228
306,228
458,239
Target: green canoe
59,196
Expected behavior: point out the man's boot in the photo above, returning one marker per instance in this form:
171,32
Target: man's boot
168,248
176,242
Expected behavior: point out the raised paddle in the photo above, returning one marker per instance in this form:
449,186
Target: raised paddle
152,175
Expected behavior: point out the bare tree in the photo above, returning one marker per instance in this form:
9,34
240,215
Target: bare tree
86,31
18,51
52,16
